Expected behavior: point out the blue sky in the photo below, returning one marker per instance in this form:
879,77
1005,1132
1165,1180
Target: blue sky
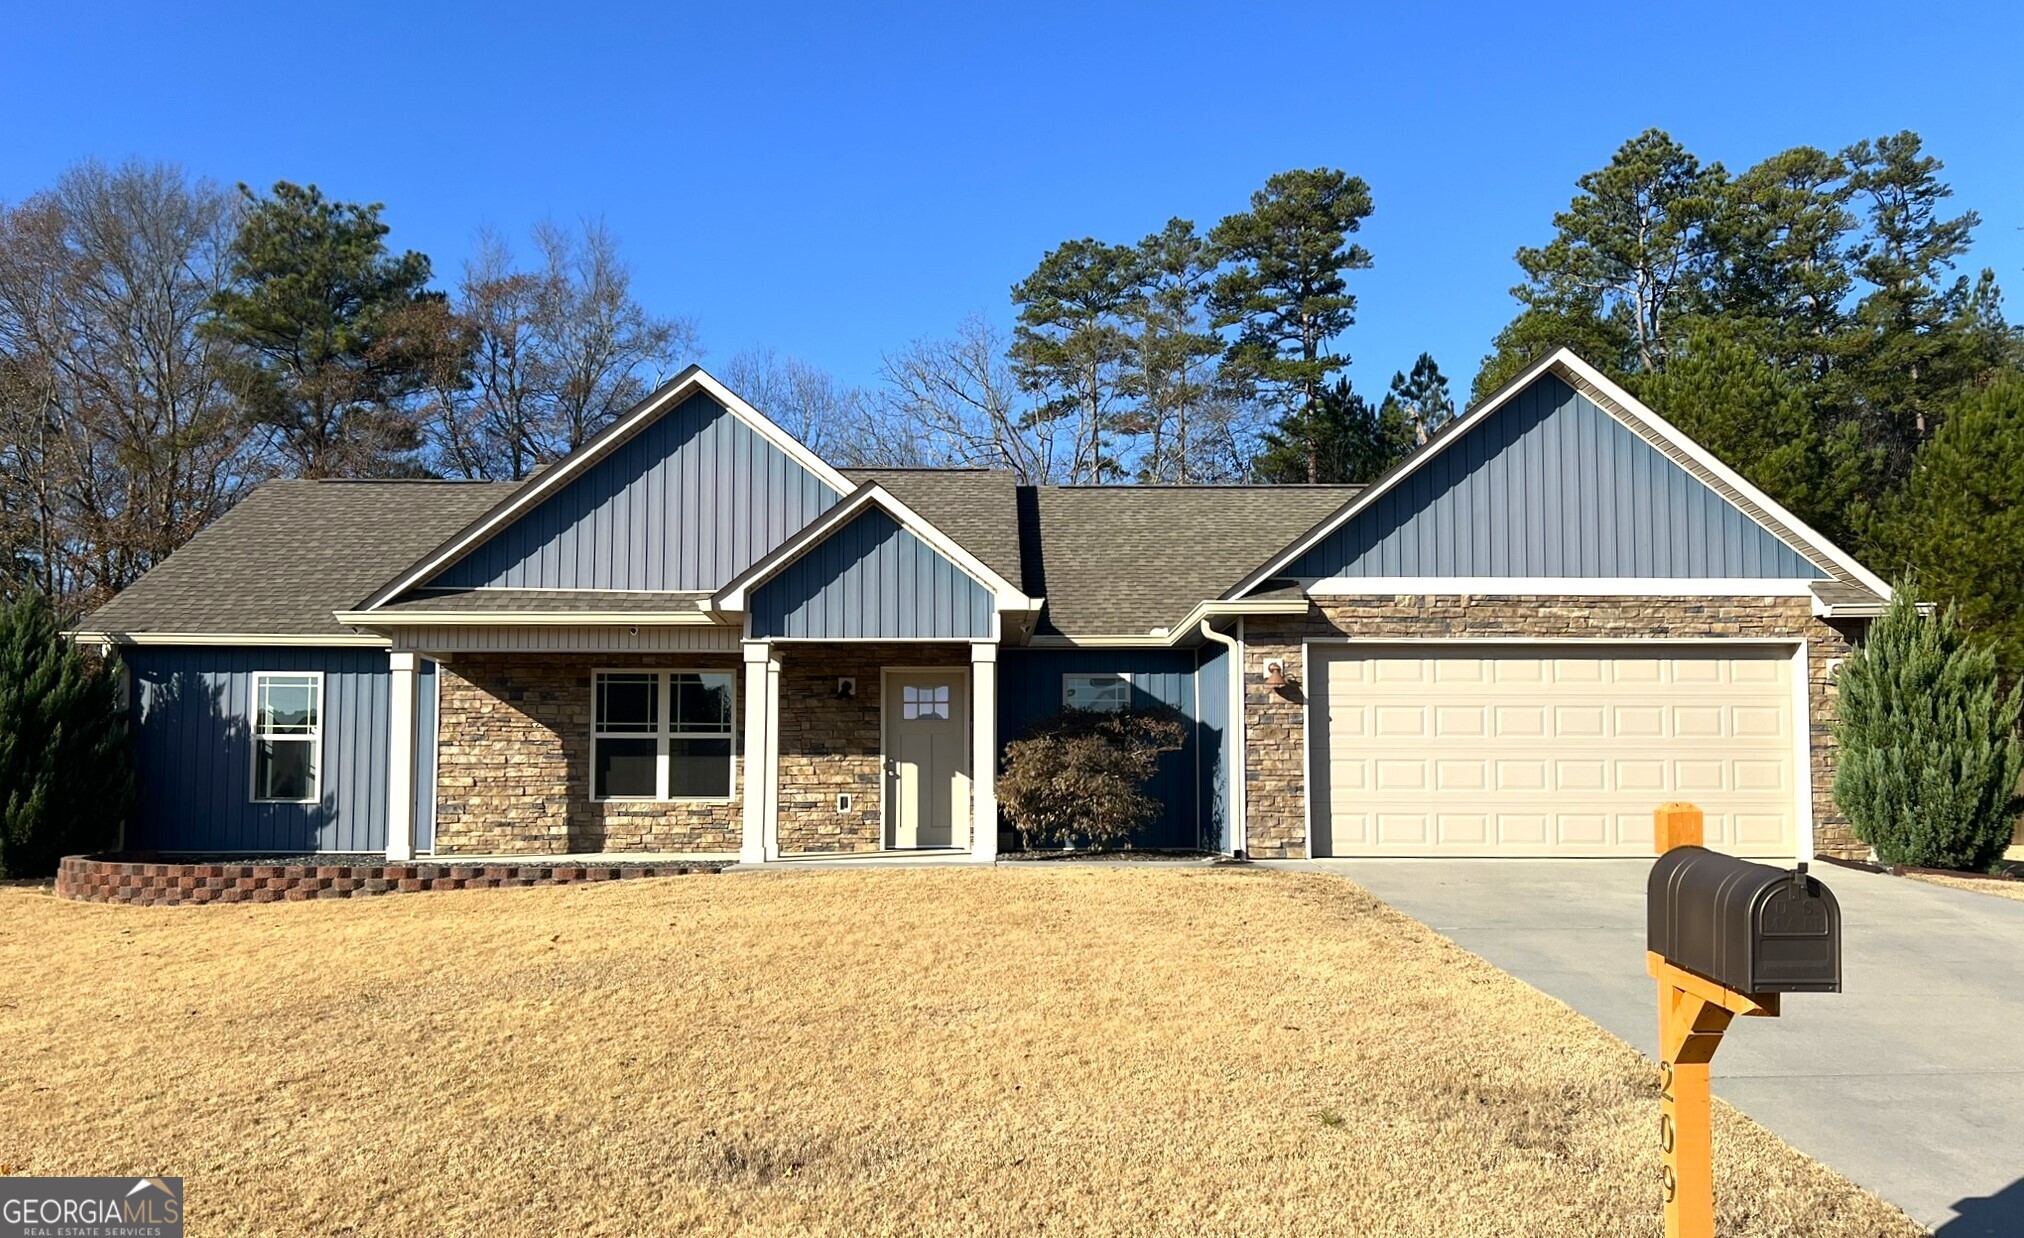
834,184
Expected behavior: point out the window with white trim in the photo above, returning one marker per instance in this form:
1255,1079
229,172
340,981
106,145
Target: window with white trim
1103,693
661,735
287,737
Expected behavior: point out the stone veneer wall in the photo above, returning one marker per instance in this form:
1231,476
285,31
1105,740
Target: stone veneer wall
1275,783
830,747
513,763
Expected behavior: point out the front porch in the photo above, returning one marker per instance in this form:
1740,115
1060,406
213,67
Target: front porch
828,749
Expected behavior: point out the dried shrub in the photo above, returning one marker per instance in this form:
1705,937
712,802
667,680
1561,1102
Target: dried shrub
1080,775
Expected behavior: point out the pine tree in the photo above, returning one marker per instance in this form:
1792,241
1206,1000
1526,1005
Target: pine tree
1910,347
1632,249
1072,345
1959,523
65,772
1285,290
1337,439
339,333
1928,756
1422,398
1722,389
1173,351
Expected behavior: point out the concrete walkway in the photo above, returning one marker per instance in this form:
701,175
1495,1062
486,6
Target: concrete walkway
1910,1081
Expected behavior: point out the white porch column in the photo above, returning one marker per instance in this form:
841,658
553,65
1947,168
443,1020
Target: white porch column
984,750
401,756
757,766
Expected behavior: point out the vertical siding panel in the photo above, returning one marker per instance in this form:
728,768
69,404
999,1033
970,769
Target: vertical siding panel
193,750
690,501
871,578
1552,486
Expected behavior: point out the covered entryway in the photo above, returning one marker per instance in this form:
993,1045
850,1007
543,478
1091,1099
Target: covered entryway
1470,749
927,758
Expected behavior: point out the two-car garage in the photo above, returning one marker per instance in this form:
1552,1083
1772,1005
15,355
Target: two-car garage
1552,749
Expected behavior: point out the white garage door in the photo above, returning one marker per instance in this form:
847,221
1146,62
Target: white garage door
1513,750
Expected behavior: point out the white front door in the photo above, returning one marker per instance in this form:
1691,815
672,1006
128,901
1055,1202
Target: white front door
927,758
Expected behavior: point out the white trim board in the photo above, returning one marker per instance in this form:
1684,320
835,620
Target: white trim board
1636,417
521,618
1556,586
269,639
673,392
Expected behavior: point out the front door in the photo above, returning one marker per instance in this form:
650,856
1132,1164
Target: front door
927,758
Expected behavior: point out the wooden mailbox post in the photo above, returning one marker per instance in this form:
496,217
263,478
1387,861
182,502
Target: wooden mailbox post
1763,929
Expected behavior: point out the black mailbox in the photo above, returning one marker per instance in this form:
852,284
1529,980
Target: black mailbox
1747,927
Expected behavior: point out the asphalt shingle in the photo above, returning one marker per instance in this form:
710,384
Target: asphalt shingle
294,551
1123,560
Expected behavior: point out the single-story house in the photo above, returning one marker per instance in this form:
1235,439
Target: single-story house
693,635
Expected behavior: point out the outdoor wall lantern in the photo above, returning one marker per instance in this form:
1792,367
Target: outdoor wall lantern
846,688
1275,675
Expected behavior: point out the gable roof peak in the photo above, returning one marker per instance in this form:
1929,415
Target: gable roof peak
1566,365
692,380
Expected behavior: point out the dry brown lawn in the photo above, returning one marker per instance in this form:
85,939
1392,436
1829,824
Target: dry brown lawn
1980,885
1071,1049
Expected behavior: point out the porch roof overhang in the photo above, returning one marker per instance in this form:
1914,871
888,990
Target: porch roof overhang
533,607
1188,631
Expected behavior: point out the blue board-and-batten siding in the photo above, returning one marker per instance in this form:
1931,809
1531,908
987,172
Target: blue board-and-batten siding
427,709
1029,689
191,721
1551,485
871,579
685,504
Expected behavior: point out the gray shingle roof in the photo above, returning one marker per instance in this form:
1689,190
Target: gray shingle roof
291,553
1110,560
978,508
1122,560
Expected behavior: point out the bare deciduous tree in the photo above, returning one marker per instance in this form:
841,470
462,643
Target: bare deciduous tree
955,402
118,436
546,356
832,418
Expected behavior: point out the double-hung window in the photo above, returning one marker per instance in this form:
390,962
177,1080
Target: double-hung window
661,735
1104,693
287,737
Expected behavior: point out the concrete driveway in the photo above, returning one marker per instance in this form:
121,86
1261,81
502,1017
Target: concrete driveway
1910,1081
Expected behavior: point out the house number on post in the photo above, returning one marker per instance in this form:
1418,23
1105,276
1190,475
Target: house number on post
1723,937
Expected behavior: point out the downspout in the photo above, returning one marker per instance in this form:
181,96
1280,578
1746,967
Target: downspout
1238,837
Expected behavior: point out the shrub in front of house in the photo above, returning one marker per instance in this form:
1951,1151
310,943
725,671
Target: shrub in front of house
1080,775
66,776
1929,756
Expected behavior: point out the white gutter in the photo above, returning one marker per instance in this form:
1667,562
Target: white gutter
303,639
1239,836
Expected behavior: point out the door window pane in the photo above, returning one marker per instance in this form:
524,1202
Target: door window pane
920,702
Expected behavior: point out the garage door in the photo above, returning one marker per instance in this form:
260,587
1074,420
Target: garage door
1514,750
